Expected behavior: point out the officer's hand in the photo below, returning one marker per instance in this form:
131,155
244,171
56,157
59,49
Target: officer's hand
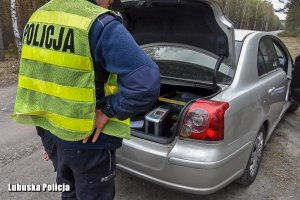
101,120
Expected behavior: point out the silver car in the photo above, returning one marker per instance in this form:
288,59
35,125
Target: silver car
223,92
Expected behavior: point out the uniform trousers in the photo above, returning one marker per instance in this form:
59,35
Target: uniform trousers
90,173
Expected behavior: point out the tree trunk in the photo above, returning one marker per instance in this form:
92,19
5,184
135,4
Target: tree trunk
256,13
226,9
245,10
2,54
236,13
240,8
15,25
247,20
34,5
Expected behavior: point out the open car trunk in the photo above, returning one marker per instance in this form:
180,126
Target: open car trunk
198,23
162,121
190,40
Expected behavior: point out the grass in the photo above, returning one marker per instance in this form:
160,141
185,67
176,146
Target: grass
289,34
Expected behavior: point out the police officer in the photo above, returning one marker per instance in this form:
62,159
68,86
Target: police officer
82,76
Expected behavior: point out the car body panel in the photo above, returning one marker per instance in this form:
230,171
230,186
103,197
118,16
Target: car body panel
241,34
202,167
277,93
248,94
181,174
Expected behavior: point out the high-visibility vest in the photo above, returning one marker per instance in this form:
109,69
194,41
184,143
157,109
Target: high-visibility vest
56,88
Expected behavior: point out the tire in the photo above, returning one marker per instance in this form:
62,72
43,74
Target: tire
293,107
254,161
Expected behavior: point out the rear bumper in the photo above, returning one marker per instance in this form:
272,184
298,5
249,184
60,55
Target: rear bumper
157,163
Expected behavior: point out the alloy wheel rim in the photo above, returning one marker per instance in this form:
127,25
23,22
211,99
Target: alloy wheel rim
256,154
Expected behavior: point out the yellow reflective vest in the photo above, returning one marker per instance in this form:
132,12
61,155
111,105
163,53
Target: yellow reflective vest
56,88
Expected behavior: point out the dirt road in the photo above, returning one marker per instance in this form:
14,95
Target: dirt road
21,162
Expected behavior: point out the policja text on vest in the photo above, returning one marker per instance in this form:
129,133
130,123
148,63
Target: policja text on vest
63,41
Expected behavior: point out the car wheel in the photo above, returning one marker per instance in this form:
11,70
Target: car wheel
254,161
293,107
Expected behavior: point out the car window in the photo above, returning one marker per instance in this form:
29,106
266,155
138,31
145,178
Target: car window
281,56
268,54
187,63
261,66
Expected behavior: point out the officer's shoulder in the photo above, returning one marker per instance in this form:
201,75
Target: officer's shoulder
107,18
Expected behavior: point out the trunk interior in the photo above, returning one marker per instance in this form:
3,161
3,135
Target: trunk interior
172,33
159,123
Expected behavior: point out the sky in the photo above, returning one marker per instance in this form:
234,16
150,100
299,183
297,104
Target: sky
276,5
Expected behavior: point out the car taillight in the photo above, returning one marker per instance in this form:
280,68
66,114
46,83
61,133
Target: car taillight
204,121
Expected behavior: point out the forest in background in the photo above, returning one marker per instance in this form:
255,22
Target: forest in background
292,8
24,8
245,14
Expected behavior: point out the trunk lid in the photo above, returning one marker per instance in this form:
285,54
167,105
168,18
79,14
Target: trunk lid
197,23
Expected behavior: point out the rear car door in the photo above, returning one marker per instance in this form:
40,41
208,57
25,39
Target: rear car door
295,87
272,68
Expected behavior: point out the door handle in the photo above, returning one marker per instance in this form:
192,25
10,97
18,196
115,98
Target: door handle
271,90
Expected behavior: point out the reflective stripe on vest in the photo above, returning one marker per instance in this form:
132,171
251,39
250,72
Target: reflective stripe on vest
111,87
56,58
56,87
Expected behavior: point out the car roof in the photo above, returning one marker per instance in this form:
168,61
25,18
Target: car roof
241,34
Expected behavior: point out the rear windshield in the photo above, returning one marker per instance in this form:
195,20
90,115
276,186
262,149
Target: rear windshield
187,63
